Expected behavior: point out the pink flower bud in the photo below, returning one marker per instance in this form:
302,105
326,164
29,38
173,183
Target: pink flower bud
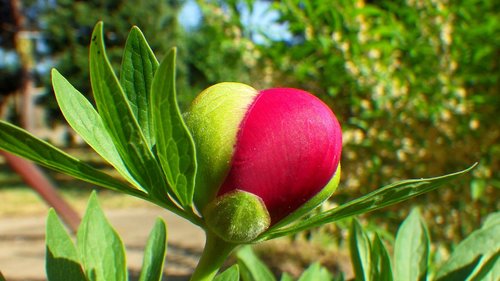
282,145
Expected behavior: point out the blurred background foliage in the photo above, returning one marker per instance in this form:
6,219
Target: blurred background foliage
415,83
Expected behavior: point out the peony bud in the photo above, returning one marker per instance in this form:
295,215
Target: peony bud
281,146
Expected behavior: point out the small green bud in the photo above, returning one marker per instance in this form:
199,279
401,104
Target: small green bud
237,216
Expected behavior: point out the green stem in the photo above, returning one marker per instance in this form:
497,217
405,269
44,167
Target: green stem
215,253
187,214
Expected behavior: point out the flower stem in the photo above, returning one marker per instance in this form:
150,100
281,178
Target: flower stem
215,253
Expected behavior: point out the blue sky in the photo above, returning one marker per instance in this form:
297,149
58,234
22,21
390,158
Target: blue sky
261,22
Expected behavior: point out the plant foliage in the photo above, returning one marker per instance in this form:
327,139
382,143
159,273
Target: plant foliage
146,140
99,253
475,258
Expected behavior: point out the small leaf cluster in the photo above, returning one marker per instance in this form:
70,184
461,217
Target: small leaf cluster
475,258
99,253
137,127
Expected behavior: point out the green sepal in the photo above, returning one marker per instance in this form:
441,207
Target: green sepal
237,217
214,119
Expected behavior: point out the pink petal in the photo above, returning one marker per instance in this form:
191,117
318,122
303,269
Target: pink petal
288,148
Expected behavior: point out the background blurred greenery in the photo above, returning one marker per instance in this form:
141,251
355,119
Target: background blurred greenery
415,84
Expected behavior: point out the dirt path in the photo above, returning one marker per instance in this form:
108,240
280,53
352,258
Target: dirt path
22,243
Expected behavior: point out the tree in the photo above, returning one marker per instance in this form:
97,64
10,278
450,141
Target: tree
67,25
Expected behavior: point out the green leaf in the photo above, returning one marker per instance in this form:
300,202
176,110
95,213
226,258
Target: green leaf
136,76
377,199
489,270
85,120
18,141
286,277
230,274
315,272
471,255
2,278
154,254
101,249
411,251
381,262
491,220
360,249
251,267
61,258
174,143
119,120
